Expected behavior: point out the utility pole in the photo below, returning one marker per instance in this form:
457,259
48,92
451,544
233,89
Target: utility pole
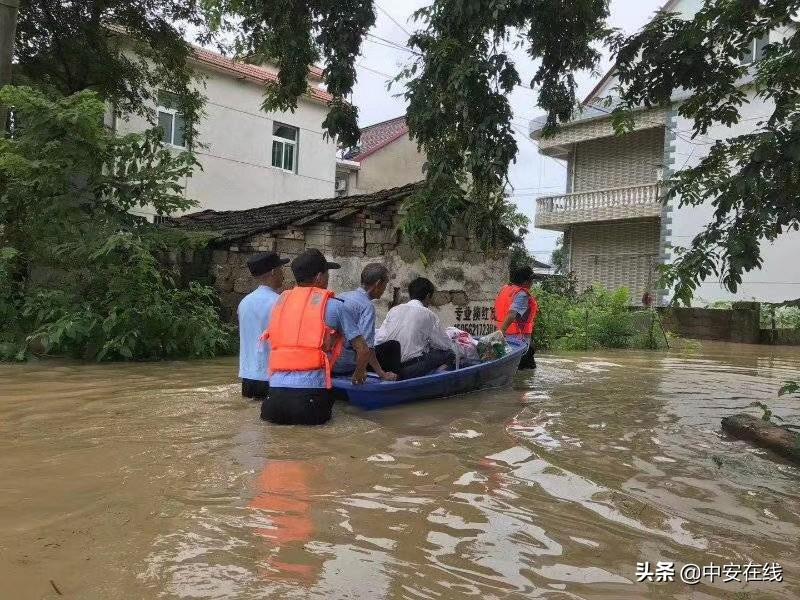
8,29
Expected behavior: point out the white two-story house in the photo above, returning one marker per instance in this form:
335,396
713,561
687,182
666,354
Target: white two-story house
249,157
617,229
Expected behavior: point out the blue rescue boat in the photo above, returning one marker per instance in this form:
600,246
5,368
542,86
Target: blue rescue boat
379,394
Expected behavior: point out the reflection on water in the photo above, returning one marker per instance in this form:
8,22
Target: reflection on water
144,481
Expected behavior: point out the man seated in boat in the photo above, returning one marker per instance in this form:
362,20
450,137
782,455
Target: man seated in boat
516,310
383,359
424,345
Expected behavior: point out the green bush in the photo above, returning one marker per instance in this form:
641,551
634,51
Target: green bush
594,319
126,307
10,303
78,272
782,317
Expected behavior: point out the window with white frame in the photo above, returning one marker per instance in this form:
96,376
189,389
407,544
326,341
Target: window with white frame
284,147
755,51
171,120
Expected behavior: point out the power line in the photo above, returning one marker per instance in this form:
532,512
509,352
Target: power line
536,187
375,71
390,46
525,135
677,132
392,19
532,195
404,48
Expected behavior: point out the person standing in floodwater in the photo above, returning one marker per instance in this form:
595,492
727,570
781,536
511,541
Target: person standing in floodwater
516,310
306,333
254,313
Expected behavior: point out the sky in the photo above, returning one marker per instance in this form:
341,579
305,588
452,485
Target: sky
533,175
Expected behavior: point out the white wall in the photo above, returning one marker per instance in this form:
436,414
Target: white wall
235,145
779,278
398,163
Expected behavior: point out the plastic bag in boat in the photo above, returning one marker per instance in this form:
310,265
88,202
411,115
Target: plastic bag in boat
492,346
463,343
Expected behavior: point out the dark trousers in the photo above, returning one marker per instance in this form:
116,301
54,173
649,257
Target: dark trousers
297,406
426,363
253,388
388,355
528,359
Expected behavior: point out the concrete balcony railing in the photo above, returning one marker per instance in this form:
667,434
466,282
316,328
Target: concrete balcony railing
634,202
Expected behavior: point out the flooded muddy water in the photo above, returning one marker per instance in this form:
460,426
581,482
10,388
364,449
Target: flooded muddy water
159,481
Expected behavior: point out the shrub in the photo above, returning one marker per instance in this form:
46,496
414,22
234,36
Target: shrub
594,319
67,186
126,306
781,317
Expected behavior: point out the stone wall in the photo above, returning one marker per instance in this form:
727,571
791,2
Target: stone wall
467,279
781,337
739,324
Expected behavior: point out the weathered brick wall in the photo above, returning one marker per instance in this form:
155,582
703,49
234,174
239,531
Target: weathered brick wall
615,255
466,278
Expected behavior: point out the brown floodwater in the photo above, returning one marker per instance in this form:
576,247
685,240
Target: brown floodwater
159,481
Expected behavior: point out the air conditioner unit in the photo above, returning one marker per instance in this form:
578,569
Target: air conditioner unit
341,185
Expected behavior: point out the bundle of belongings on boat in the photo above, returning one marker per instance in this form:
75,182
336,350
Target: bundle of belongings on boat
470,350
492,347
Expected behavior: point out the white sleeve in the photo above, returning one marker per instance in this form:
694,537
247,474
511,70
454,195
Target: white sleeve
382,332
438,336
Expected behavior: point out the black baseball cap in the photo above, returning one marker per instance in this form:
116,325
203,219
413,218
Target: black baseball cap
264,263
309,263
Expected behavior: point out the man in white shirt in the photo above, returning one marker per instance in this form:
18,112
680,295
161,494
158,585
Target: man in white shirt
424,345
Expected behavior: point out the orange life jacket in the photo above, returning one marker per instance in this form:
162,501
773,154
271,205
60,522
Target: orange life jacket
503,304
299,338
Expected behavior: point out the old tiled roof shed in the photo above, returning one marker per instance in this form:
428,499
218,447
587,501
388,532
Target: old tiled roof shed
234,225
353,231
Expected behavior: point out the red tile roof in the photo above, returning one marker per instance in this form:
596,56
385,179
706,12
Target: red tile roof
233,67
374,137
254,72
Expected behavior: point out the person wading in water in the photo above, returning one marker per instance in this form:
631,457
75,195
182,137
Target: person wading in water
254,312
306,334
516,310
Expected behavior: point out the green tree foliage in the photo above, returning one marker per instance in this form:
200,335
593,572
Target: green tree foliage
79,272
518,256
10,302
752,181
457,87
125,50
559,258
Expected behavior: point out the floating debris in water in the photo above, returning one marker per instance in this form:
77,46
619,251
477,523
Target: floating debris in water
468,434
380,458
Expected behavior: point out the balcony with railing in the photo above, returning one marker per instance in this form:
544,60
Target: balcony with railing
614,204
